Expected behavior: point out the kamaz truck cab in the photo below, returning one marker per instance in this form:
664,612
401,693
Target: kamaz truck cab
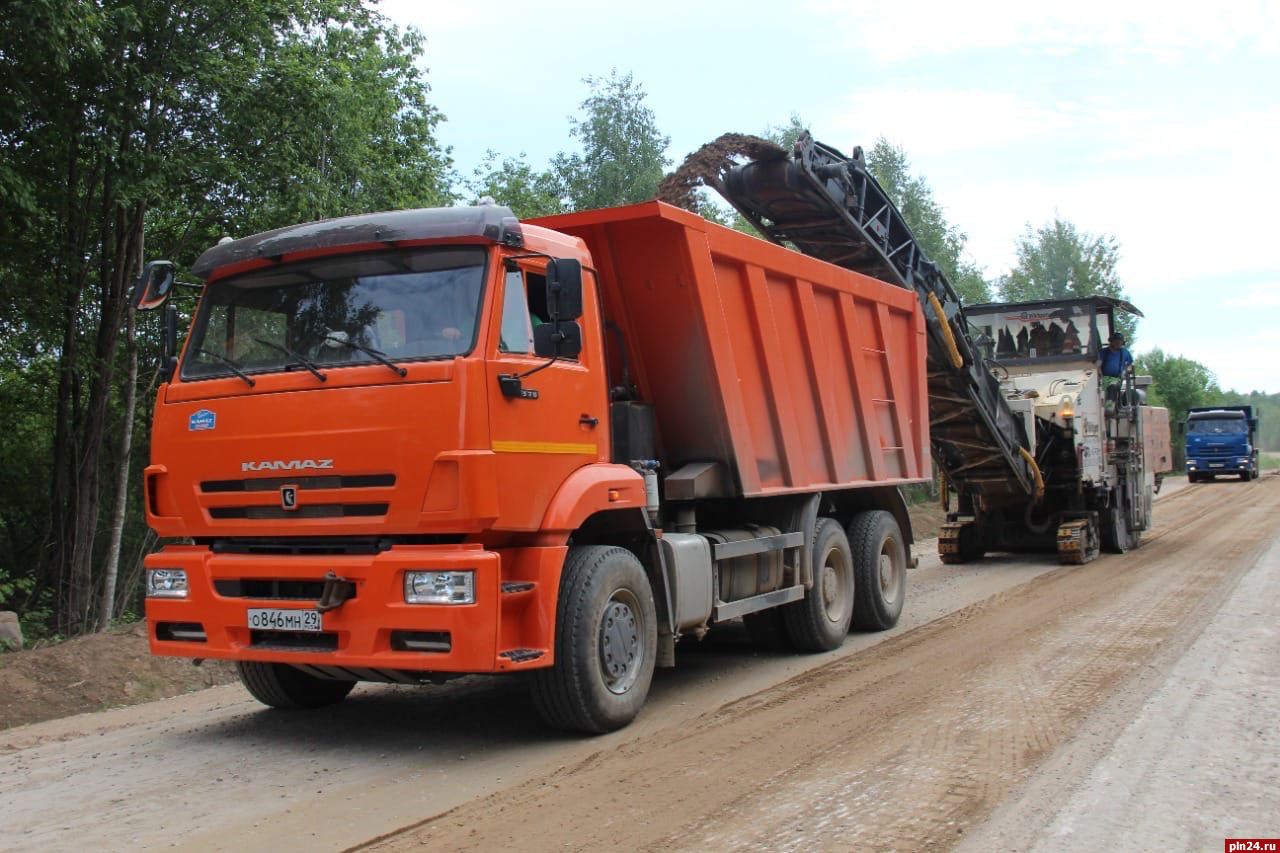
1221,440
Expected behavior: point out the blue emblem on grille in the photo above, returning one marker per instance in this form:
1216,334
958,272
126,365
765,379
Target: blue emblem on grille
203,419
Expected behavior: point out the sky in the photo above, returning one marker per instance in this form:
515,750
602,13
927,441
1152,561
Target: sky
1157,123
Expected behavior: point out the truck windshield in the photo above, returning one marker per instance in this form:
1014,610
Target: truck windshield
1063,331
1218,426
400,305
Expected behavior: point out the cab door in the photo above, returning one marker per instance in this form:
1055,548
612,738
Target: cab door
559,423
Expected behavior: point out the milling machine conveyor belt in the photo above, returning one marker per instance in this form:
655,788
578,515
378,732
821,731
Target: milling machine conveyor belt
828,206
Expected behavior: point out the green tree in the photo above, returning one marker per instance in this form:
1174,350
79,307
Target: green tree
1058,261
623,154
335,120
785,135
941,241
123,119
515,184
1178,384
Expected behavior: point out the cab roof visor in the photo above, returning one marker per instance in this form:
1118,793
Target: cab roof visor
489,222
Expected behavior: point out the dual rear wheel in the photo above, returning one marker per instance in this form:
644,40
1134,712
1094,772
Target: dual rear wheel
859,582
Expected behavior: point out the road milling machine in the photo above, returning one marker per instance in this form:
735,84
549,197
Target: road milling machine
1039,449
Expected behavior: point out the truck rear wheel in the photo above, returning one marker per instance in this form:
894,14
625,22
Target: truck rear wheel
880,570
606,643
283,686
820,620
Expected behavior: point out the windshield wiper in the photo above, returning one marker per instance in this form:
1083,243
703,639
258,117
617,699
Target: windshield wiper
374,354
293,355
235,368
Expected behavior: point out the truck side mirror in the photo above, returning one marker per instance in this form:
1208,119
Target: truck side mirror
153,286
564,289
169,362
557,340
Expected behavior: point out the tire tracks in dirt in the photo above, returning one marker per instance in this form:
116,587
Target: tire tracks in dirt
905,745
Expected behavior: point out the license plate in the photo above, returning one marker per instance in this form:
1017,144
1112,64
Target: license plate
281,619
1216,465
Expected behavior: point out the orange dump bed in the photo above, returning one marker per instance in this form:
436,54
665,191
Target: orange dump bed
796,375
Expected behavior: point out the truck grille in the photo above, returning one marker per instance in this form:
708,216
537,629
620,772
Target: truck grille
305,511
323,545
266,589
335,481
354,504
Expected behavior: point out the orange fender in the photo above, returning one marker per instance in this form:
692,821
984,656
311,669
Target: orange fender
591,489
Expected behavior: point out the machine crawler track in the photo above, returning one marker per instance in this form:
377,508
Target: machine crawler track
958,542
1077,541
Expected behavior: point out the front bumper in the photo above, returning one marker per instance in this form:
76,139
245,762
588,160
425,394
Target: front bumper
510,626
1213,465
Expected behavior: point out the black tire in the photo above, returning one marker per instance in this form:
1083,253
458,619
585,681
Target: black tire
1116,537
283,686
606,643
820,620
880,569
768,630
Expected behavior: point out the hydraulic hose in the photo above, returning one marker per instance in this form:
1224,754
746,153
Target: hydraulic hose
957,360
1035,471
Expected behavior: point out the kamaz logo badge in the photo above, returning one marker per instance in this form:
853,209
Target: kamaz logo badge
288,465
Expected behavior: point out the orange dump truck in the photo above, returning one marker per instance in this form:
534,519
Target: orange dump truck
412,445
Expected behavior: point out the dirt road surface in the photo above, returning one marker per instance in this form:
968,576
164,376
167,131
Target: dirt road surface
1019,705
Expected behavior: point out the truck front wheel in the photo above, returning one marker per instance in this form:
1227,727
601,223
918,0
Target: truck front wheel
820,620
880,570
606,643
283,686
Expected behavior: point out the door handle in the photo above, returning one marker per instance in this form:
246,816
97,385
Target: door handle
588,421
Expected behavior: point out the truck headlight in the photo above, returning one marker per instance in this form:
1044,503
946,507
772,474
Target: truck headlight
166,583
457,586
1243,461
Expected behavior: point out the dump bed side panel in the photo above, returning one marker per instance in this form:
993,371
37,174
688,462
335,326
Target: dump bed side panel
795,374
1156,445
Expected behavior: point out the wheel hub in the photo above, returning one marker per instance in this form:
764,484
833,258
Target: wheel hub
621,653
830,587
888,576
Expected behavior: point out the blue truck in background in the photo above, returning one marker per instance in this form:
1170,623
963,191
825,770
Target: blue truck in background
1222,440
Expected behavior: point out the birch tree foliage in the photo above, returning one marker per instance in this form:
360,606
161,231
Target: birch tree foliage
128,129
